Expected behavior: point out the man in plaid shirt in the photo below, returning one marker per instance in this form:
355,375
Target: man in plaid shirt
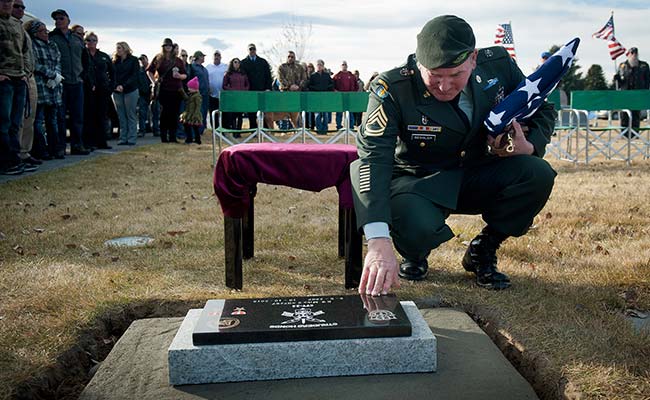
47,71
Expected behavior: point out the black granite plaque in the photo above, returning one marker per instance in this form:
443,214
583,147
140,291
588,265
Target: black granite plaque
300,318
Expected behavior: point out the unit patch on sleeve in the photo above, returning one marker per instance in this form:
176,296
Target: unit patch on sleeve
376,122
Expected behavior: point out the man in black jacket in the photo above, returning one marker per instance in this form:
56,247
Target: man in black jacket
71,48
98,86
259,75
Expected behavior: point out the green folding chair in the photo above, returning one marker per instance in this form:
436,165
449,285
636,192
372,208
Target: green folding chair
233,101
319,102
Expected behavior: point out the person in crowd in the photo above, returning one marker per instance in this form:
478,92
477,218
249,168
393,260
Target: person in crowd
216,72
321,81
192,116
71,47
310,118
125,92
154,105
344,81
180,130
542,58
293,78
235,79
169,71
79,31
258,71
98,86
198,70
357,116
13,89
366,87
144,92
26,131
630,75
423,155
47,72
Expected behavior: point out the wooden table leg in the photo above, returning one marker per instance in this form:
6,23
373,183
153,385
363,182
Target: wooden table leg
233,251
342,230
353,250
249,231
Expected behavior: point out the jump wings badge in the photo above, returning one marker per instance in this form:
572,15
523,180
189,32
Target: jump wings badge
302,315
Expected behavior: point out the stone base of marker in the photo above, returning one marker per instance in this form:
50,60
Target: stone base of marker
189,364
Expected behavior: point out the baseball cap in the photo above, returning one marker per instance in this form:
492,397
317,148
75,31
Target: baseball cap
59,12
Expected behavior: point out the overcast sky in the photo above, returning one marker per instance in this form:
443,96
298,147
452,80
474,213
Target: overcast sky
371,36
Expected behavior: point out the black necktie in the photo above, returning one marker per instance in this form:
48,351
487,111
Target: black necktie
459,112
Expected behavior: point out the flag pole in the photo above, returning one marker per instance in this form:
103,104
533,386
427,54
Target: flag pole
615,65
512,33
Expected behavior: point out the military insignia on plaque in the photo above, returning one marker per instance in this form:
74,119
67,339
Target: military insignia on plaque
228,323
238,311
302,316
376,122
381,315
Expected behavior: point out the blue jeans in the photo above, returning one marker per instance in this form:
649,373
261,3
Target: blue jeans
143,114
46,134
126,106
339,120
73,104
321,122
13,93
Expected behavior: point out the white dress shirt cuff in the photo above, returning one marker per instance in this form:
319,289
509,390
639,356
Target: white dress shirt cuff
374,230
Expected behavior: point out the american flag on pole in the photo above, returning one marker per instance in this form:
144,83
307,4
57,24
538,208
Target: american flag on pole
531,93
607,33
503,36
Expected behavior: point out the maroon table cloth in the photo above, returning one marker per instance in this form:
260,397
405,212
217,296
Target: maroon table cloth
312,167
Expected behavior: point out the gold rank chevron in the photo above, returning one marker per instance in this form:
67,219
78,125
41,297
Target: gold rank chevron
376,122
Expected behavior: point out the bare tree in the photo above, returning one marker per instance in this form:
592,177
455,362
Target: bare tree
295,36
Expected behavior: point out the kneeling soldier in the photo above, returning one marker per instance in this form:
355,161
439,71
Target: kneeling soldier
424,154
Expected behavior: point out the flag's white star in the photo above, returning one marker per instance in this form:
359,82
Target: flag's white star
495,118
530,87
565,53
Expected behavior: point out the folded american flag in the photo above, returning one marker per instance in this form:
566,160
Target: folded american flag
532,91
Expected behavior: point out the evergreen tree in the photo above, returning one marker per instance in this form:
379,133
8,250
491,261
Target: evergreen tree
595,79
573,79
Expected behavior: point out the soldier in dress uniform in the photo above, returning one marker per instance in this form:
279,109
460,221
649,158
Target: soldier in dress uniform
632,74
424,154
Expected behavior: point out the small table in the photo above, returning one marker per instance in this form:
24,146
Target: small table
312,167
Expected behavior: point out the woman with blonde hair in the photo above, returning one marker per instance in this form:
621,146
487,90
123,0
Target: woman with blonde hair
125,92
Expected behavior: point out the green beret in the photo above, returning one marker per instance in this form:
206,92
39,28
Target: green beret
445,42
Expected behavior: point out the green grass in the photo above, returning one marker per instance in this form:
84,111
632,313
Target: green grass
563,315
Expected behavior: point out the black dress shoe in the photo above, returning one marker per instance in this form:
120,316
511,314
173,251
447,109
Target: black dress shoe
413,270
79,151
32,161
481,259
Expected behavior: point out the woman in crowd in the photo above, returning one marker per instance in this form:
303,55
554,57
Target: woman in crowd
125,93
98,85
234,79
47,72
168,71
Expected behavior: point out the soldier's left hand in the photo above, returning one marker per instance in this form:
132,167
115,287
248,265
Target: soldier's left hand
521,145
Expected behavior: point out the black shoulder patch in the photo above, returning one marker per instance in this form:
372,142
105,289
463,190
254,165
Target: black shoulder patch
491,53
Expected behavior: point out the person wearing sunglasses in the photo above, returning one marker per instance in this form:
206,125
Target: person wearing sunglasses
98,85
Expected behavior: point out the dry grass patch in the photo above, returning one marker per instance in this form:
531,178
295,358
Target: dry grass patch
586,260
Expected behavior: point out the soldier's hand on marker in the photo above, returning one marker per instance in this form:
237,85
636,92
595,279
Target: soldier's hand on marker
499,144
379,268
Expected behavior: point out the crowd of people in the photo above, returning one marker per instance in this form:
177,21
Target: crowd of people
52,82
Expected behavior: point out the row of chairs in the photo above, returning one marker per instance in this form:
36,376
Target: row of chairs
261,103
577,139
